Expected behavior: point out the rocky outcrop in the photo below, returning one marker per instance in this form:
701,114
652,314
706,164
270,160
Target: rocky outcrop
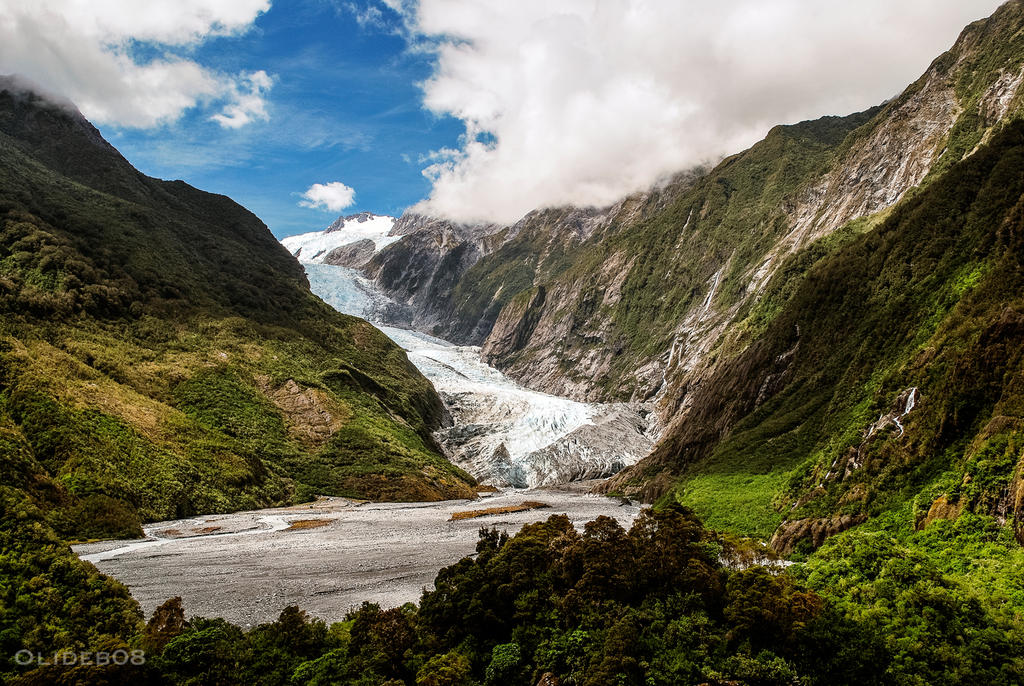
311,414
358,218
352,255
515,326
814,531
893,154
422,270
942,508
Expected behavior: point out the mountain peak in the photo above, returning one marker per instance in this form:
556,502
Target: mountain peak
27,90
358,218
371,231
54,132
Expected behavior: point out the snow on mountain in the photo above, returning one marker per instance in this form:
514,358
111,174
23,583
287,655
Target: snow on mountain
504,434
315,246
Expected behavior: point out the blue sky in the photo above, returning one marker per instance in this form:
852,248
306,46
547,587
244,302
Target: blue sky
471,110
345,106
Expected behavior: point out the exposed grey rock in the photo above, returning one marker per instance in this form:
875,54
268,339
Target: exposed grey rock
352,255
560,334
360,218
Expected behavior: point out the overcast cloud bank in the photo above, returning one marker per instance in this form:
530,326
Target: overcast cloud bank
584,101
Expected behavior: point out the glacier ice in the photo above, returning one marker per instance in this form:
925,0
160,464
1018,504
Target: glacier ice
503,433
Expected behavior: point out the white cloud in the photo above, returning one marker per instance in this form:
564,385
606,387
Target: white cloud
248,101
367,16
583,101
329,197
84,49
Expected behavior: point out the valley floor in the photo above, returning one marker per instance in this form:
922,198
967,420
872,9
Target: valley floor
326,557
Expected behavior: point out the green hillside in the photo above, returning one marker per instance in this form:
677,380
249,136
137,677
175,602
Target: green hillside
861,409
161,354
928,303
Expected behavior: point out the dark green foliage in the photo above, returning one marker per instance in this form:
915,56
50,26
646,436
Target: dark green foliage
940,630
450,669
206,653
651,605
607,605
50,601
166,624
506,665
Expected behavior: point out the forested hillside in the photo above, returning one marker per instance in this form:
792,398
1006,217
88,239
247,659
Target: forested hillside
161,356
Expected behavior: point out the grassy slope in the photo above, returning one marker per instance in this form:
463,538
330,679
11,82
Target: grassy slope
147,330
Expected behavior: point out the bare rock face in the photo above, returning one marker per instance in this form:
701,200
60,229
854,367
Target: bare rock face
942,509
516,324
875,173
422,270
312,417
815,531
353,255
339,223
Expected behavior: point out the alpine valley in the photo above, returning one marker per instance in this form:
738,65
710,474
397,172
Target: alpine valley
808,360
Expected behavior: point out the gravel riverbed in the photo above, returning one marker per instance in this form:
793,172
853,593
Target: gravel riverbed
248,566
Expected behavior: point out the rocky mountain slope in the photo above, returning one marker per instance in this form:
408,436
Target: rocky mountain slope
348,242
423,270
161,354
576,301
889,379
651,298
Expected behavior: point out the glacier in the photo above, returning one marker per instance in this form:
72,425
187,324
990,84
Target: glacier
502,433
